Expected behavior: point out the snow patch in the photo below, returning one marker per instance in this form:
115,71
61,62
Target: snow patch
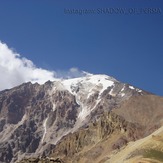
97,102
111,92
122,94
45,129
53,106
22,120
69,84
131,87
106,84
51,92
83,113
59,86
83,87
89,83
123,89
90,93
87,110
77,100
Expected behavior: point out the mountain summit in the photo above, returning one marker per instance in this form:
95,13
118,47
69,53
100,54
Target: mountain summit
74,120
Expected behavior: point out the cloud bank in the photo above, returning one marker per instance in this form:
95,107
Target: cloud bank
15,70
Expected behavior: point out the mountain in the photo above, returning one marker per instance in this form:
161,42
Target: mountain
148,149
75,120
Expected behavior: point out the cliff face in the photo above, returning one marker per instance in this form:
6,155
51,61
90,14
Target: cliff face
74,120
26,113
75,147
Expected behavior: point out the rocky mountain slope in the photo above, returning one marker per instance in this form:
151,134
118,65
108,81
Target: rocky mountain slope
146,150
74,120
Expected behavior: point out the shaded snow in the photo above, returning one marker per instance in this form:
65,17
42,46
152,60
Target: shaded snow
83,113
45,129
111,92
53,107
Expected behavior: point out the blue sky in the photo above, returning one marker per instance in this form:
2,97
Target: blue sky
127,46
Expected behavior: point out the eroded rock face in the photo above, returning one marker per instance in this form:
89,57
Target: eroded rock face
66,116
24,111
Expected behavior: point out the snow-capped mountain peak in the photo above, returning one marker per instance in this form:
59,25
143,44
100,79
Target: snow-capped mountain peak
93,88
54,109
87,82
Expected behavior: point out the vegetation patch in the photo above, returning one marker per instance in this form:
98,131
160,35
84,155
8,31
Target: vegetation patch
153,154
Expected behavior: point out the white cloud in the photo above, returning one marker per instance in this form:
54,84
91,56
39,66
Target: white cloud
15,70
71,73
